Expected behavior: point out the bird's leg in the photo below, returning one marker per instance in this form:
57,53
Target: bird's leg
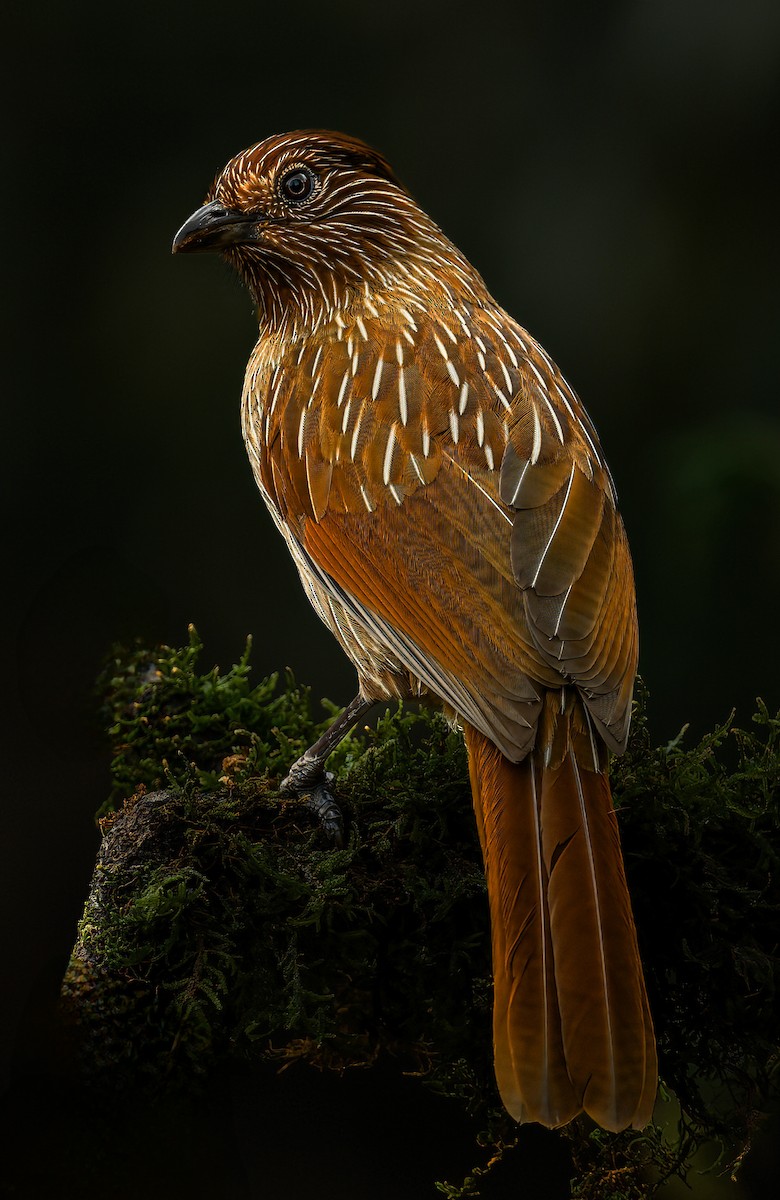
308,778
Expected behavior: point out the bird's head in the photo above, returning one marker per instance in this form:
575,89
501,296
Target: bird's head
309,218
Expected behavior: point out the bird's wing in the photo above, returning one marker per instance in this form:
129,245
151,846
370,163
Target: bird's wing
447,488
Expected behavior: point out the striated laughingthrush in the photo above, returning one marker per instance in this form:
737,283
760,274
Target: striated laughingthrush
446,501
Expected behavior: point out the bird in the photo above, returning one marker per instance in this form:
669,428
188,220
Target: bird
446,501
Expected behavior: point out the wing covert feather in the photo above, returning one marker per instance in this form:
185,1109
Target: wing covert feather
498,561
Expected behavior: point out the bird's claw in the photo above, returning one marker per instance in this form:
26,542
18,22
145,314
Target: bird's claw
321,802
314,790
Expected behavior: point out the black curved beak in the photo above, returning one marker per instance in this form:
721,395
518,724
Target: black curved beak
213,227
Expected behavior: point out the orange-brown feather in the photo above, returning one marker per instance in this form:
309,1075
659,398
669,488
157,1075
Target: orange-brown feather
530,1062
598,972
572,1029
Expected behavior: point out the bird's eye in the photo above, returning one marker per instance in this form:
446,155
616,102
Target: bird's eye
298,185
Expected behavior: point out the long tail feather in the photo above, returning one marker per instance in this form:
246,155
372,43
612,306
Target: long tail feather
571,1023
529,1058
598,974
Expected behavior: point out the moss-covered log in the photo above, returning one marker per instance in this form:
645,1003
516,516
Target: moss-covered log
222,926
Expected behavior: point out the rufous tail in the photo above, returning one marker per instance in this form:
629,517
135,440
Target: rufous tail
571,1023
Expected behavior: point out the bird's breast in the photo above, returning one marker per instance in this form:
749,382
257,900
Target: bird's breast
366,410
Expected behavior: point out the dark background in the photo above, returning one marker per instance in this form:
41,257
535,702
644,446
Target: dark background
612,171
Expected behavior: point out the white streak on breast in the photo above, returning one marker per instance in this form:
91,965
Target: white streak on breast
402,405
355,432
377,379
388,463
372,308
276,383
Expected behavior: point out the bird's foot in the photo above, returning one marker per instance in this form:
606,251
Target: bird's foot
308,778
312,785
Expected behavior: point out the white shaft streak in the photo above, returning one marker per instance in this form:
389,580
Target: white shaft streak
555,528
517,978
560,616
479,487
542,885
403,407
537,446
388,463
593,749
342,389
309,488
516,493
416,466
580,423
555,420
377,379
599,925
355,432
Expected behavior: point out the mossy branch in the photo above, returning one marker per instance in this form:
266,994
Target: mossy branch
221,924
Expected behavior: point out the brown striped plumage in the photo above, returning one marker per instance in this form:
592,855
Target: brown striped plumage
445,499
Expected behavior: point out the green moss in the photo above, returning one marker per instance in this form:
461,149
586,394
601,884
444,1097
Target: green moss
222,925
170,723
